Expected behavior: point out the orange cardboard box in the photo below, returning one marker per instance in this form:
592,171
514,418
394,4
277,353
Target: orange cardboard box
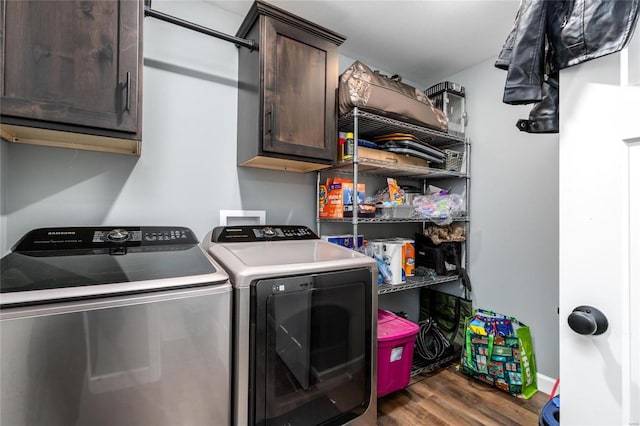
333,196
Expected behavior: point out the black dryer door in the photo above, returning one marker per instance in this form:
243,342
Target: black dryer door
311,348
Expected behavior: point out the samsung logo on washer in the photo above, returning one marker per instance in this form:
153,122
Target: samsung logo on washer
61,233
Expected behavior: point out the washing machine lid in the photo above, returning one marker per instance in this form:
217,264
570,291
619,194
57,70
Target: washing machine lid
79,262
273,253
248,253
278,245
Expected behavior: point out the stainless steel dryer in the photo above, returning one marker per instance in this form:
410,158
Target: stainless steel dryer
103,326
304,345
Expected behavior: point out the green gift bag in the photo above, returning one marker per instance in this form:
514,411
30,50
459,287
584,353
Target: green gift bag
498,350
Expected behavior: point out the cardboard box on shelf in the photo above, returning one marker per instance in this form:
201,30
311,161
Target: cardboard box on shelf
390,157
343,240
335,194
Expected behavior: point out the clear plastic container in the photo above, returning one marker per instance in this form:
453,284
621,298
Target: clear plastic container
395,211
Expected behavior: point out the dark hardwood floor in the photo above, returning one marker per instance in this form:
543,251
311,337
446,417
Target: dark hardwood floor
448,397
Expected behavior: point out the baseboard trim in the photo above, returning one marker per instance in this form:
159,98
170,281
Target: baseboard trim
545,384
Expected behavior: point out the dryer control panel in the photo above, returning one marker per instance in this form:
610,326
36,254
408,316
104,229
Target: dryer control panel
235,234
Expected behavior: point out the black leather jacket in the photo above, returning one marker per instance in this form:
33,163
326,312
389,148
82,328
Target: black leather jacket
551,35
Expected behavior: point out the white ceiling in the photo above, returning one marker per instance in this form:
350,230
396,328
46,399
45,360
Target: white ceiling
423,41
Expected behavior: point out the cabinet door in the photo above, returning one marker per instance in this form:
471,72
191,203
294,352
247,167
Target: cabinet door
300,79
71,62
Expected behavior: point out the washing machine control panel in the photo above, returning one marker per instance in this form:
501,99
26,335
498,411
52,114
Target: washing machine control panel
149,236
103,237
234,234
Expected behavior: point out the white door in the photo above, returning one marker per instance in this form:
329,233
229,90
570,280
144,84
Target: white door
600,238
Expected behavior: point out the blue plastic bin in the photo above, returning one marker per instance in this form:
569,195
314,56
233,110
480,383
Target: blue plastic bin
550,414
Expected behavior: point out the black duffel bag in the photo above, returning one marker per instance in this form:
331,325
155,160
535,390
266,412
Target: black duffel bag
444,258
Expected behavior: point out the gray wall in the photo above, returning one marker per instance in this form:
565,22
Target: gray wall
187,173
514,213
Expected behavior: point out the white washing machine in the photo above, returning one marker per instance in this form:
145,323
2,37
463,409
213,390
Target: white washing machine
114,326
304,328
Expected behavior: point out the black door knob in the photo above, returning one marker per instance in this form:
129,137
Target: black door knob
588,320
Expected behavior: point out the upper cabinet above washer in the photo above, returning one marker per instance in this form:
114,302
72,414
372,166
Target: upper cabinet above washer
286,92
70,74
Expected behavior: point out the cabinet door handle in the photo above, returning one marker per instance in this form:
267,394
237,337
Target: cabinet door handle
270,119
128,94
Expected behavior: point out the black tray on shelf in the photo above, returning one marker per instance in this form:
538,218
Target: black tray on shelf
414,153
416,146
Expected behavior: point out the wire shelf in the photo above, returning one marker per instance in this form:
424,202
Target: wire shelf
421,366
415,282
370,125
371,167
390,220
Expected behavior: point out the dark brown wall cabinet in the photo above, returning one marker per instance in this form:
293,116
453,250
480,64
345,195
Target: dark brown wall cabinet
286,92
71,72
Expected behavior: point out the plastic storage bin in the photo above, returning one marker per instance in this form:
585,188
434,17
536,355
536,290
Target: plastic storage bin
397,211
396,338
550,414
448,97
